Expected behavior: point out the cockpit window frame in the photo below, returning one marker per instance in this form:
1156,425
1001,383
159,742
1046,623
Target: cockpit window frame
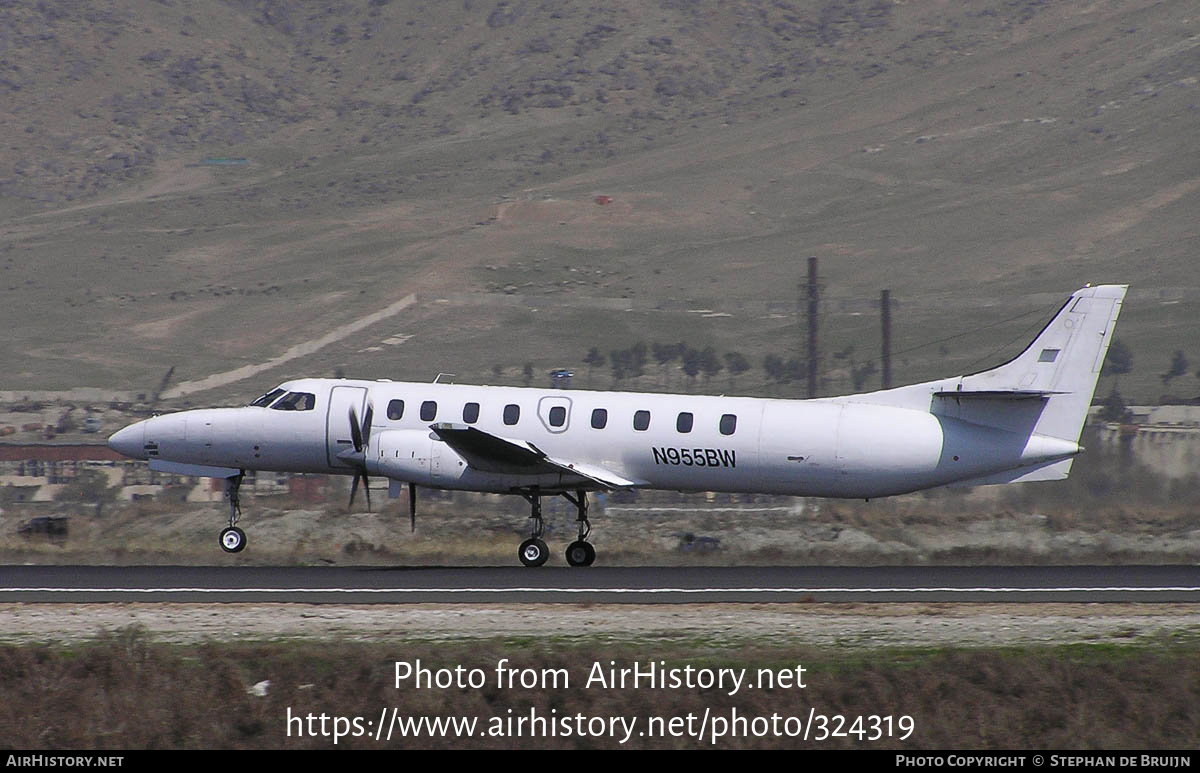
307,401
264,401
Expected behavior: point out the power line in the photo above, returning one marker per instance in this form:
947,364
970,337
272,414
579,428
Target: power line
971,331
1024,335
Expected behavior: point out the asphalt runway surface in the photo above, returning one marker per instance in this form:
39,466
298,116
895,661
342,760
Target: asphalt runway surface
641,585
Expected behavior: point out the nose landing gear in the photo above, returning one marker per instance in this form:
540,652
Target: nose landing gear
233,539
533,551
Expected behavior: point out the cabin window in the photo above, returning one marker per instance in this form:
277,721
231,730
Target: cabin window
295,401
395,410
641,420
471,413
558,416
1048,355
728,424
267,399
512,414
429,410
599,418
684,422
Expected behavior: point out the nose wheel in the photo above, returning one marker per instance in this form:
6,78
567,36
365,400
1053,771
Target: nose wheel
233,539
533,552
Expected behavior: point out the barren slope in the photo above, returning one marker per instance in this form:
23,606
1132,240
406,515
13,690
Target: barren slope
965,155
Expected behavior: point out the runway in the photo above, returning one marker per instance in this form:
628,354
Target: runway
634,585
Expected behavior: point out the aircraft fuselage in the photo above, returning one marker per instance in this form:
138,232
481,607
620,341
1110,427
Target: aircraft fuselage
827,448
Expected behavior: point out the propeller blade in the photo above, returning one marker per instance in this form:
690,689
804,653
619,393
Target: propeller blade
355,433
361,436
412,505
366,489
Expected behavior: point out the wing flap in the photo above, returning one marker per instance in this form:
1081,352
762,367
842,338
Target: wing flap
604,477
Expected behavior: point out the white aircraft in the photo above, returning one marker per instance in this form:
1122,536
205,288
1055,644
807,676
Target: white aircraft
1020,421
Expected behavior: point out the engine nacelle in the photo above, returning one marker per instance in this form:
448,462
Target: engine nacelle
403,454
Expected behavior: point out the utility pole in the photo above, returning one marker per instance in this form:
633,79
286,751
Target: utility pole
813,298
885,313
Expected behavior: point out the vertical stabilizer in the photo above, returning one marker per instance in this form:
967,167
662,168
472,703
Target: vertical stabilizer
1063,362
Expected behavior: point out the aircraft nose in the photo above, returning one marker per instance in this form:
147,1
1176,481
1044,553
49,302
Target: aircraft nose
130,441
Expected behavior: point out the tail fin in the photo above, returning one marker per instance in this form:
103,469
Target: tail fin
1062,364
1043,394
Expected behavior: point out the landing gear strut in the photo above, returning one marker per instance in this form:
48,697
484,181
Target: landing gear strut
233,539
533,551
580,552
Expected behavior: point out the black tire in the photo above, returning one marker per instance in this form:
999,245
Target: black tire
533,552
233,540
580,553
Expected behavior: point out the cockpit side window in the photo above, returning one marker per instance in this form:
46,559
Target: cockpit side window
267,399
295,401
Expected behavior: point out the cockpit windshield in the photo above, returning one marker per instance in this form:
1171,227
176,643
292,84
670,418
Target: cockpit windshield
267,399
295,401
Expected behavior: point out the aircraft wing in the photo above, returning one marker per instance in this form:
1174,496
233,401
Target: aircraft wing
492,453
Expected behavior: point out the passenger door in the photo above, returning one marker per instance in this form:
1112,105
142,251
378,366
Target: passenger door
337,421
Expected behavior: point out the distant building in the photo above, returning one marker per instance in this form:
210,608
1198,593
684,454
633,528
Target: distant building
1165,438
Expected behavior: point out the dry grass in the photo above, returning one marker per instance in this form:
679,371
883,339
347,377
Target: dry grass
124,691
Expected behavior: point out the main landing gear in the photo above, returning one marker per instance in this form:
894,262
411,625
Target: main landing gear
233,539
580,552
533,551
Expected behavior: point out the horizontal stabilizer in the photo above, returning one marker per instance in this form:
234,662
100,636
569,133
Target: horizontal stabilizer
998,394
